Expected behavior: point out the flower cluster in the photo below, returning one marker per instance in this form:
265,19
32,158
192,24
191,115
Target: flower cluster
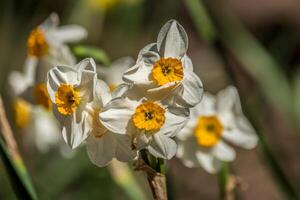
144,112
131,105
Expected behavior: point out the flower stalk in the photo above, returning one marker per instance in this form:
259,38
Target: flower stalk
227,183
155,169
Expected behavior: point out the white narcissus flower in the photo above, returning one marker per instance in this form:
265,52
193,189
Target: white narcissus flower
46,44
45,48
78,98
102,144
213,123
48,35
150,124
112,74
163,69
71,90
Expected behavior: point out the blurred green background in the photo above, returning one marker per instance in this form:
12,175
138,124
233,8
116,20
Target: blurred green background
252,44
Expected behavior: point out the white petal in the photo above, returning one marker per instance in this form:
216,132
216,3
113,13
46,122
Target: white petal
151,50
172,40
228,104
140,73
117,114
57,56
149,55
164,92
75,128
192,89
188,129
69,33
87,64
162,146
187,63
124,150
223,152
50,136
141,140
208,162
120,90
186,152
51,22
206,107
19,82
176,119
242,134
101,150
102,93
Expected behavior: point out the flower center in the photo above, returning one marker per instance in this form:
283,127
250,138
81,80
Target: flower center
149,116
22,113
67,99
112,87
167,70
42,96
37,45
208,131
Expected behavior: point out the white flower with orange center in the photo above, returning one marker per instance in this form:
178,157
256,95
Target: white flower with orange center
165,71
150,124
71,90
214,123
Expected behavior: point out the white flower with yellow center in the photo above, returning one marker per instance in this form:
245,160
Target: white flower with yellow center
45,48
214,122
48,35
46,45
71,90
163,68
112,75
150,124
102,144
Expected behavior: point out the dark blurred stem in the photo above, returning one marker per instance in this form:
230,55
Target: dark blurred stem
198,10
156,178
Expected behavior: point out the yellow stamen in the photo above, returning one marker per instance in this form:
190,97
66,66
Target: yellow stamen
149,116
112,87
208,131
67,99
167,70
42,96
22,113
37,45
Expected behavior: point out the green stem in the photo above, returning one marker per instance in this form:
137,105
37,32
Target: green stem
222,180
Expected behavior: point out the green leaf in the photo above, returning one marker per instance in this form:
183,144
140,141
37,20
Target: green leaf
19,176
96,53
